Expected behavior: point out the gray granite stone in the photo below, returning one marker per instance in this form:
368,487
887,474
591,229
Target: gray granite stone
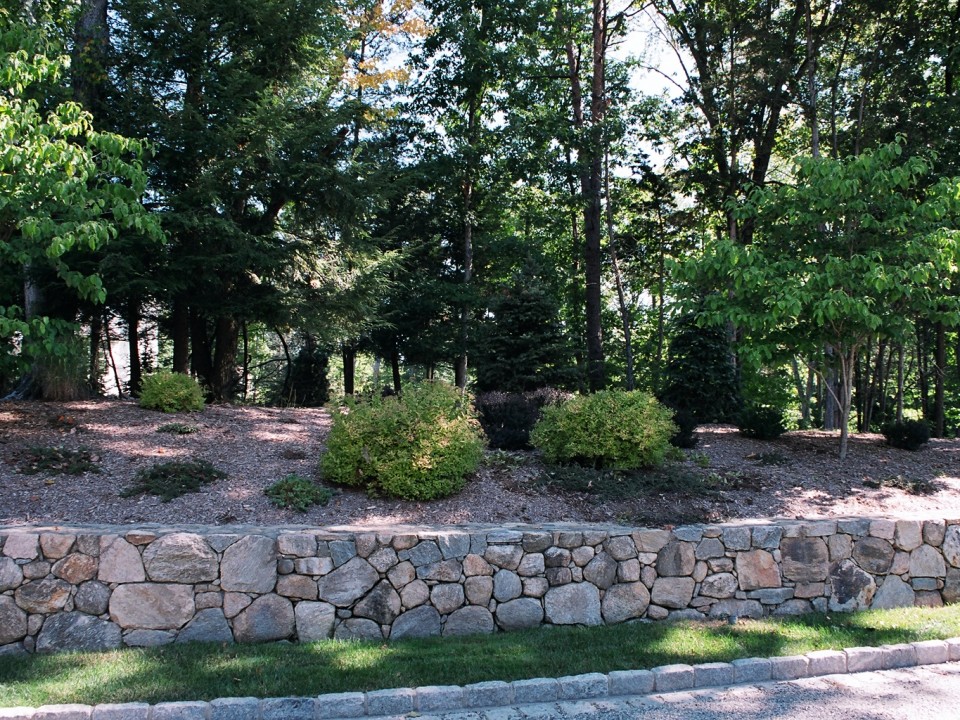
391,702
536,690
423,621
670,678
239,708
439,698
711,674
77,631
576,604
288,708
250,565
207,626
631,682
340,705
122,711
826,662
752,670
580,687
179,711
486,694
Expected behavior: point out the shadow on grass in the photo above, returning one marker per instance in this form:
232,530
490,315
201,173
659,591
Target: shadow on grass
205,672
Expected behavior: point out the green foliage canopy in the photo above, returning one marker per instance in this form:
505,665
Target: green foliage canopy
64,187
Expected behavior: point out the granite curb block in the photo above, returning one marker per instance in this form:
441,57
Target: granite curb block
452,698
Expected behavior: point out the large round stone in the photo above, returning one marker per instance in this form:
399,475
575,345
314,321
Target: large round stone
676,559
423,621
45,596
120,561
805,560
851,587
894,593
358,629
720,585
76,568
951,545
469,620
573,604
180,557
506,586
348,583
92,598
77,631
446,597
519,614
601,571
926,562
381,605
13,621
315,621
269,617
152,606
874,555
207,626
10,574
757,570
250,565
673,592
625,601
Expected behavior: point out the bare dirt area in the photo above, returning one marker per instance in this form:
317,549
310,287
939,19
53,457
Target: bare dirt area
725,477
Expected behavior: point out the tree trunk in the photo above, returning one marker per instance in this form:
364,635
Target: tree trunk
939,370
847,359
625,318
96,335
113,360
246,360
395,367
830,396
226,343
201,360
349,354
900,388
90,45
460,366
180,334
592,190
133,344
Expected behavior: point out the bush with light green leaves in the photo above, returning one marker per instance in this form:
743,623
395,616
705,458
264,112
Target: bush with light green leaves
613,429
171,392
420,445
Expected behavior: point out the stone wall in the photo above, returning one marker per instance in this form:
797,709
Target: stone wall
96,588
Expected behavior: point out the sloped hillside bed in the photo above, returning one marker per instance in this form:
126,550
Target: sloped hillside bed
724,477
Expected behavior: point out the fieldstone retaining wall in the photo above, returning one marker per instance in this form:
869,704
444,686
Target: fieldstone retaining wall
87,588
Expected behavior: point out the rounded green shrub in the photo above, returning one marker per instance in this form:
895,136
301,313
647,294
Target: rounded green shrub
611,429
419,445
761,422
907,435
171,392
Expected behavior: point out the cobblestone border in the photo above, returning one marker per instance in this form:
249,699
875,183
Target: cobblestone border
447,698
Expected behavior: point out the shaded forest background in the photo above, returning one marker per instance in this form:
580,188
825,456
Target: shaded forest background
289,193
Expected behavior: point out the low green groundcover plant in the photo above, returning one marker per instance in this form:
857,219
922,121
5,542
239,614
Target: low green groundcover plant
420,445
177,428
170,480
57,460
613,429
171,392
297,493
205,671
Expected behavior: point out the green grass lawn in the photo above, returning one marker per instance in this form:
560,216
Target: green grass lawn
205,672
